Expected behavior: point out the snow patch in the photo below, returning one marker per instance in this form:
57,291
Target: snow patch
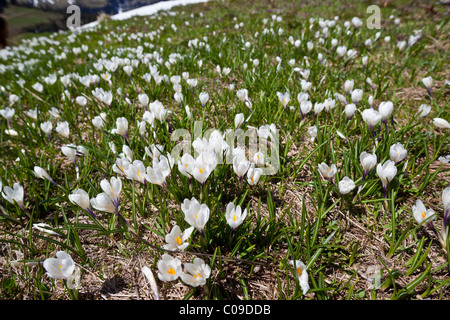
147,10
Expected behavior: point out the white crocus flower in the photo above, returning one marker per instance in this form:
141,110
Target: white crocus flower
42,174
197,273
386,172
103,202
253,174
346,185
196,214
238,120
327,172
301,273
203,165
420,213
136,171
80,198
424,110
61,267
112,188
122,127
160,170
350,110
284,98
368,162
63,129
143,99
234,215
186,165
397,152
428,82
14,194
204,97
240,165
441,123
176,239
371,117
385,109
47,128
357,95
169,268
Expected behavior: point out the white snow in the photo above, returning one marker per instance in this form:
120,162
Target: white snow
147,10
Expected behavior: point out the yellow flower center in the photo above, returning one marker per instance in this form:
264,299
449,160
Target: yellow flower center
201,170
171,271
197,275
138,174
60,266
299,271
178,240
234,217
424,214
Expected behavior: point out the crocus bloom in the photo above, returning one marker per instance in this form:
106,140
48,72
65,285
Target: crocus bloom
158,110
357,96
424,110
441,123
240,165
371,117
103,202
81,198
253,175
420,212
63,129
300,271
242,95
346,185
70,151
203,165
350,110
14,194
204,97
312,131
196,214
47,128
397,152
446,200
112,188
234,215
326,171
238,120
122,127
136,171
61,267
348,86
143,99
305,107
169,268
197,273
186,165
284,98
386,172
428,82
177,240
160,171
368,162
385,109
41,173
151,279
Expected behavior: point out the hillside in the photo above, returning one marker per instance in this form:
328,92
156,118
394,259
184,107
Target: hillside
229,150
